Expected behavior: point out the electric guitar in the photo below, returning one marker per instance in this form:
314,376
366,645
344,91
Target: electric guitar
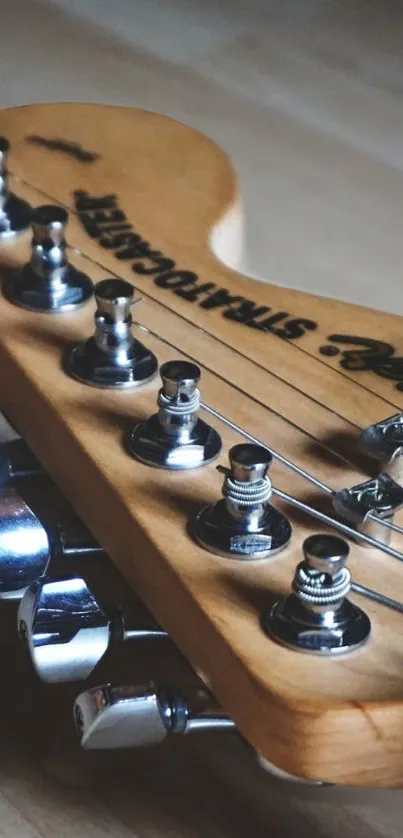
273,385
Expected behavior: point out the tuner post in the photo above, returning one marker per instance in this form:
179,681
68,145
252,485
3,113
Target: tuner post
244,525
112,358
48,283
138,716
67,631
15,214
176,438
318,618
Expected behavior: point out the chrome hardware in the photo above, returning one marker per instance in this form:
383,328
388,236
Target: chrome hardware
48,283
175,437
24,545
15,214
112,357
69,545
369,504
317,617
384,442
244,525
18,572
17,462
137,716
67,631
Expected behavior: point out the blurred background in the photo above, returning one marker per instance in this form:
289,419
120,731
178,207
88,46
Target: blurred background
305,95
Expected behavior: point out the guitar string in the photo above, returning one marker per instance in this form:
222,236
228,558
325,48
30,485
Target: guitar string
253,361
393,604
336,370
290,465
286,462
312,511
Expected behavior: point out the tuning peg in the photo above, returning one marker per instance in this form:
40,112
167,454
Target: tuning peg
175,437
24,545
244,525
15,214
17,462
48,283
369,504
384,442
67,631
317,617
38,549
138,716
112,357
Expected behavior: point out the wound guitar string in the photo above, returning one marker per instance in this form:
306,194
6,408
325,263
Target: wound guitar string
289,499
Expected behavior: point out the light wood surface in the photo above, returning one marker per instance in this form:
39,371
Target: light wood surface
334,720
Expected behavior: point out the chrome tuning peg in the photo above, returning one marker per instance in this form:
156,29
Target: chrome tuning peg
39,550
138,716
175,437
24,545
367,505
112,357
67,631
15,214
48,283
384,442
244,525
317,617
17,462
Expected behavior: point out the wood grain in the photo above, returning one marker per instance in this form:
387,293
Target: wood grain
335,720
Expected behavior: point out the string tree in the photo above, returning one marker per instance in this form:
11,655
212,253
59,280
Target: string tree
383,442
369,505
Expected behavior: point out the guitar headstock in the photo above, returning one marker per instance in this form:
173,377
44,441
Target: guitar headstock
252,377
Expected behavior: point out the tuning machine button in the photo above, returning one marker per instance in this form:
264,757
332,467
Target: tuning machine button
67,631
244,525
112,357
15,214
48,283
384,442
41,552
369,504
317,617
138,716
24,545
176,437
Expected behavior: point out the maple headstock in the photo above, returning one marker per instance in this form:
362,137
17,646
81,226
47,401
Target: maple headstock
156,204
